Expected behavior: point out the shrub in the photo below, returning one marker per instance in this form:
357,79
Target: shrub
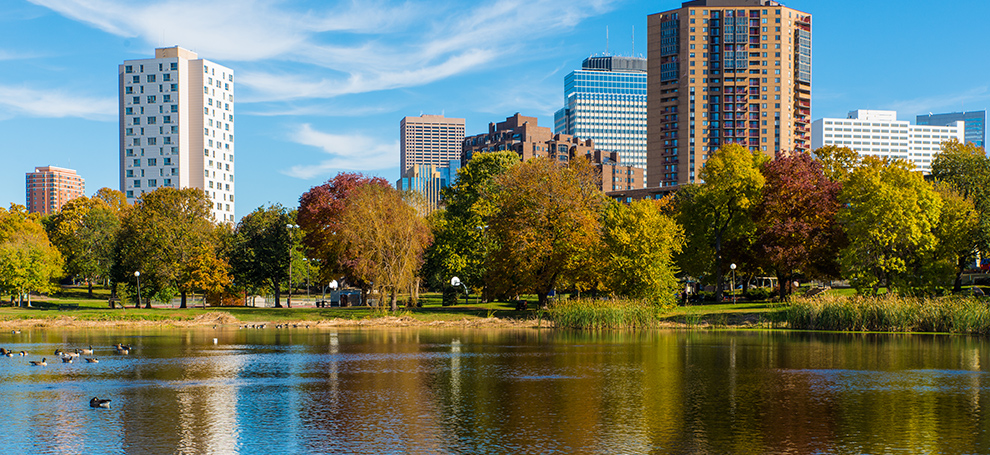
891,313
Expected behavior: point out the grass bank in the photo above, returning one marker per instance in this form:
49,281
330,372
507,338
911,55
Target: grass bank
890,313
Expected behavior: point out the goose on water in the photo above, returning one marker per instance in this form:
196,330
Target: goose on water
92,360
39,363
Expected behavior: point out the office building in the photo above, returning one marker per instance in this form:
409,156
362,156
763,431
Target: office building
721,72
429,139
605,101
527,138
430,180
50,187
880,134
975,122
177,127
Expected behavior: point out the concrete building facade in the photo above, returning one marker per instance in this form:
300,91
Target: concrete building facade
524,136
605,101
49,188
177,127
725,71
975,122
880,134
429,139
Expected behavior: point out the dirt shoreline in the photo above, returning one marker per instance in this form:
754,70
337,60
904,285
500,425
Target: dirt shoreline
222,319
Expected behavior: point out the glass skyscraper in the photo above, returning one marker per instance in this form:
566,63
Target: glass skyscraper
975,124
605,101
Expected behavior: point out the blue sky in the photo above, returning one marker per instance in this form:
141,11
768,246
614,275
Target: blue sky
322,85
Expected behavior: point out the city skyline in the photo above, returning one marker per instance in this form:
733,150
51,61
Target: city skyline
321,87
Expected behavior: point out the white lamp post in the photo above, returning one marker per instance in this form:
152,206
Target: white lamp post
733,267
457,282
288,301
333,287
138,276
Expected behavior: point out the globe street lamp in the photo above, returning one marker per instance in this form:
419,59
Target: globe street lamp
288,301
138,276
733,267
333,287
457,282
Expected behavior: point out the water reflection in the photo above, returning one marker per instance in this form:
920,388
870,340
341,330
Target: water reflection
497,391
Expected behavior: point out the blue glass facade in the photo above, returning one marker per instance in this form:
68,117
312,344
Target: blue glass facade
607,105
429,179
975,124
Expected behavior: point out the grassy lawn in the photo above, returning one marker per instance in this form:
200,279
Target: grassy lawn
96,309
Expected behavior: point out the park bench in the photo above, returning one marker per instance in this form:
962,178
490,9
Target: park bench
68,306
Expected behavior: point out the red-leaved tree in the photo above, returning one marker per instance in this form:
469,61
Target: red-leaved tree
795,219
320,214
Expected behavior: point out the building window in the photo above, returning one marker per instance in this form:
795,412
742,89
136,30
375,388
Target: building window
151,78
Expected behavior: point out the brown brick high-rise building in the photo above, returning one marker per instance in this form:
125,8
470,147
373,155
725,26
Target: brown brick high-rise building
50,187
725,71
524,136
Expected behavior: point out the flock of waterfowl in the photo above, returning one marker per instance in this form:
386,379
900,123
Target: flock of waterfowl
68,357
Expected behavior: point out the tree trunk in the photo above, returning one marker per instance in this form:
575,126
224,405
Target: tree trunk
278,291
718,266
541,300
113,290
364,296
393,302
960,266
90,288
182,299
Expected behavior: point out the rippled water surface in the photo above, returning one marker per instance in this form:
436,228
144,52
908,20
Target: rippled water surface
495,392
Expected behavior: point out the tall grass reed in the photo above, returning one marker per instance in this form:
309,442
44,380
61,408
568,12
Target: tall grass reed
602,314
891,313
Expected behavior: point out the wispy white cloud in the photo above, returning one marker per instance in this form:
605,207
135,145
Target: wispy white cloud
348,152
55,103
975,97
355,47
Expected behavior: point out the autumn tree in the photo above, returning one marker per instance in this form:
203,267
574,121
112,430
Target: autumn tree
889,214
382,238
958,232
207,273
639,243
796,219
28,260
546,215
837,162
966,168
160,235
260,253
718,209
85,232
460,228
319,214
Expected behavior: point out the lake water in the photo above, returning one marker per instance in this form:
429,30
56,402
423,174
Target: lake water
496,392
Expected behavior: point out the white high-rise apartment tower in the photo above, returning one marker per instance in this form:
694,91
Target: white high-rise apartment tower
177,127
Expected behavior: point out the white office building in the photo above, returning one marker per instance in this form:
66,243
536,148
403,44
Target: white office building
880,134
177,127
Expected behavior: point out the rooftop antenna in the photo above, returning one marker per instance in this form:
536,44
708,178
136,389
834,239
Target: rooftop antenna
606,40
634,42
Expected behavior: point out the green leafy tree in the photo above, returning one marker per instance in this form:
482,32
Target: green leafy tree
159,237
890,215
28,260
261,249
545,221
640,241
958,233
462,240
837,162
718,210
85,232
966,168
